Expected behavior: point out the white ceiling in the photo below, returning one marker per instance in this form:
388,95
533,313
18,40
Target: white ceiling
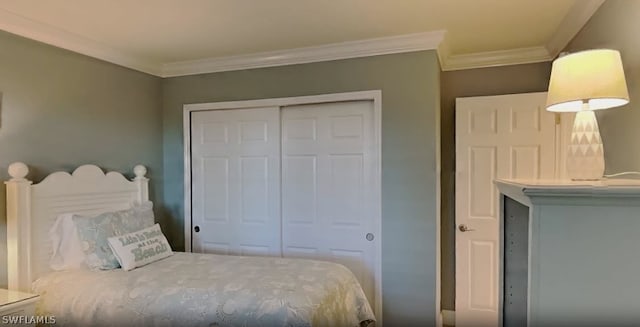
169,37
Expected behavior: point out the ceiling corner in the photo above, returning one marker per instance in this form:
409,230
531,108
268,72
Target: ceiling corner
578,15
444,52
573,22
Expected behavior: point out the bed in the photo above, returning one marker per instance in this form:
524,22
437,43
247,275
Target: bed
183,289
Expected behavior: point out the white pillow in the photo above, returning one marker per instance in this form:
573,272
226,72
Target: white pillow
140,248
67,248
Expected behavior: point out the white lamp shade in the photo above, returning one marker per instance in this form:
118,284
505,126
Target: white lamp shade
593,77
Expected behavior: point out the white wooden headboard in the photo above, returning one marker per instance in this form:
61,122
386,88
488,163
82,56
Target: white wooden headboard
33,208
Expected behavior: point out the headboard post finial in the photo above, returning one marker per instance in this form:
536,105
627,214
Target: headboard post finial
140,171
18,171
143,183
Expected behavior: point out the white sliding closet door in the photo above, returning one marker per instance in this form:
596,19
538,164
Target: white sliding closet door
235,163
329,198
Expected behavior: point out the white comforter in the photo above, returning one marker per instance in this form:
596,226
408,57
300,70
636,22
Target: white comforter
207,290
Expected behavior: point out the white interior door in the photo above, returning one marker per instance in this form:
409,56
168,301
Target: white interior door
510,136
329,199
235,167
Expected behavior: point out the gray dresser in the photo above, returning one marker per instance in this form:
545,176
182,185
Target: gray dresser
570,253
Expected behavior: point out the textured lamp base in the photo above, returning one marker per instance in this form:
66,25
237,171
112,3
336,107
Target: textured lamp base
585,160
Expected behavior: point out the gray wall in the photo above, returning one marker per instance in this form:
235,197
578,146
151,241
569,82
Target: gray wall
410,97
466,83
85,110
60,109
615,25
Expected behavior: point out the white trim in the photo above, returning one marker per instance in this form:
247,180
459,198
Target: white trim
19,25
576,18
186,128
374,95
495,58
449,317
288,101
438,148
327,52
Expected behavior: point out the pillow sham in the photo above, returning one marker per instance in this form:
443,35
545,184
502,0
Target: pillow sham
140,248
93,233
66,246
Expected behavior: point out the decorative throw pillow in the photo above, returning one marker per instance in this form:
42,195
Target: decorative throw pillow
140,248
93,232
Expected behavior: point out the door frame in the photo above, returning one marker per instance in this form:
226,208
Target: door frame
372,95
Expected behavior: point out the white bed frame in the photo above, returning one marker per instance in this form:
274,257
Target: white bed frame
33,208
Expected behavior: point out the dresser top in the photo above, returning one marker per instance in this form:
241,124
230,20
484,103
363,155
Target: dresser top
572,185
525,190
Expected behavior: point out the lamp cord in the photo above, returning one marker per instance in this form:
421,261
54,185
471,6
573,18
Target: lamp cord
623,173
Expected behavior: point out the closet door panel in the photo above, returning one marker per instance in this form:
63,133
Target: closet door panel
235,181
327,190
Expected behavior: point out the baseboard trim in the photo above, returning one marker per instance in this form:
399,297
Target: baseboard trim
448,317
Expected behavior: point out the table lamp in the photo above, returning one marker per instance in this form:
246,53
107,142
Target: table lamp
582,82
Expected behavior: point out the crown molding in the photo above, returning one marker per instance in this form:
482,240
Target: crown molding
444,52
576,18
18,25
334,51
495,58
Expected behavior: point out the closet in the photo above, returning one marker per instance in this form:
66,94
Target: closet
293,180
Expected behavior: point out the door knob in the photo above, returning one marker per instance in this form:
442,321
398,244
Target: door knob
196,229
464,228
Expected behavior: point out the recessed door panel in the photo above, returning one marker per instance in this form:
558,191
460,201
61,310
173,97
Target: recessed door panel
299,189
482,172
215,188
254,192
345,202
235,181
525,162
482,292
